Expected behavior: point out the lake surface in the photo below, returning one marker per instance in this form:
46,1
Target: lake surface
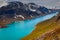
20,29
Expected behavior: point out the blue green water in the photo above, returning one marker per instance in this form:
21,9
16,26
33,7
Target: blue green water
20,29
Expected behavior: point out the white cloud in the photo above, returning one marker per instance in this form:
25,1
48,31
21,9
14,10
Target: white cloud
3,3
47,3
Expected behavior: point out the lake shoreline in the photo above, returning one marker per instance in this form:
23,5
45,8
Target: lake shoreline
43,27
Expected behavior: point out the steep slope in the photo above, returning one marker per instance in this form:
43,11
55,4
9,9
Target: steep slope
30,10
47,30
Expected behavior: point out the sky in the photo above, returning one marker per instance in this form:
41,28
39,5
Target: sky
47,3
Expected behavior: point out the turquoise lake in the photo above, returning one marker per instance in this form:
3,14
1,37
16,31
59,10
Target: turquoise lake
20,29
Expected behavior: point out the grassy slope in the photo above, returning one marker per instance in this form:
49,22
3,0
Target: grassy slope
44,28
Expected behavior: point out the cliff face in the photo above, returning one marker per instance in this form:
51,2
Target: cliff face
15,11
47,30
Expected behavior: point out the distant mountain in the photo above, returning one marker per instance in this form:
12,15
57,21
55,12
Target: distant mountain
28,11
17,11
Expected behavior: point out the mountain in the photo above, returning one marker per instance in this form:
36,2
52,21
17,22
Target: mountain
16,10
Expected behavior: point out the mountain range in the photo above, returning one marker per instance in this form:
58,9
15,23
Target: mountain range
18,11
